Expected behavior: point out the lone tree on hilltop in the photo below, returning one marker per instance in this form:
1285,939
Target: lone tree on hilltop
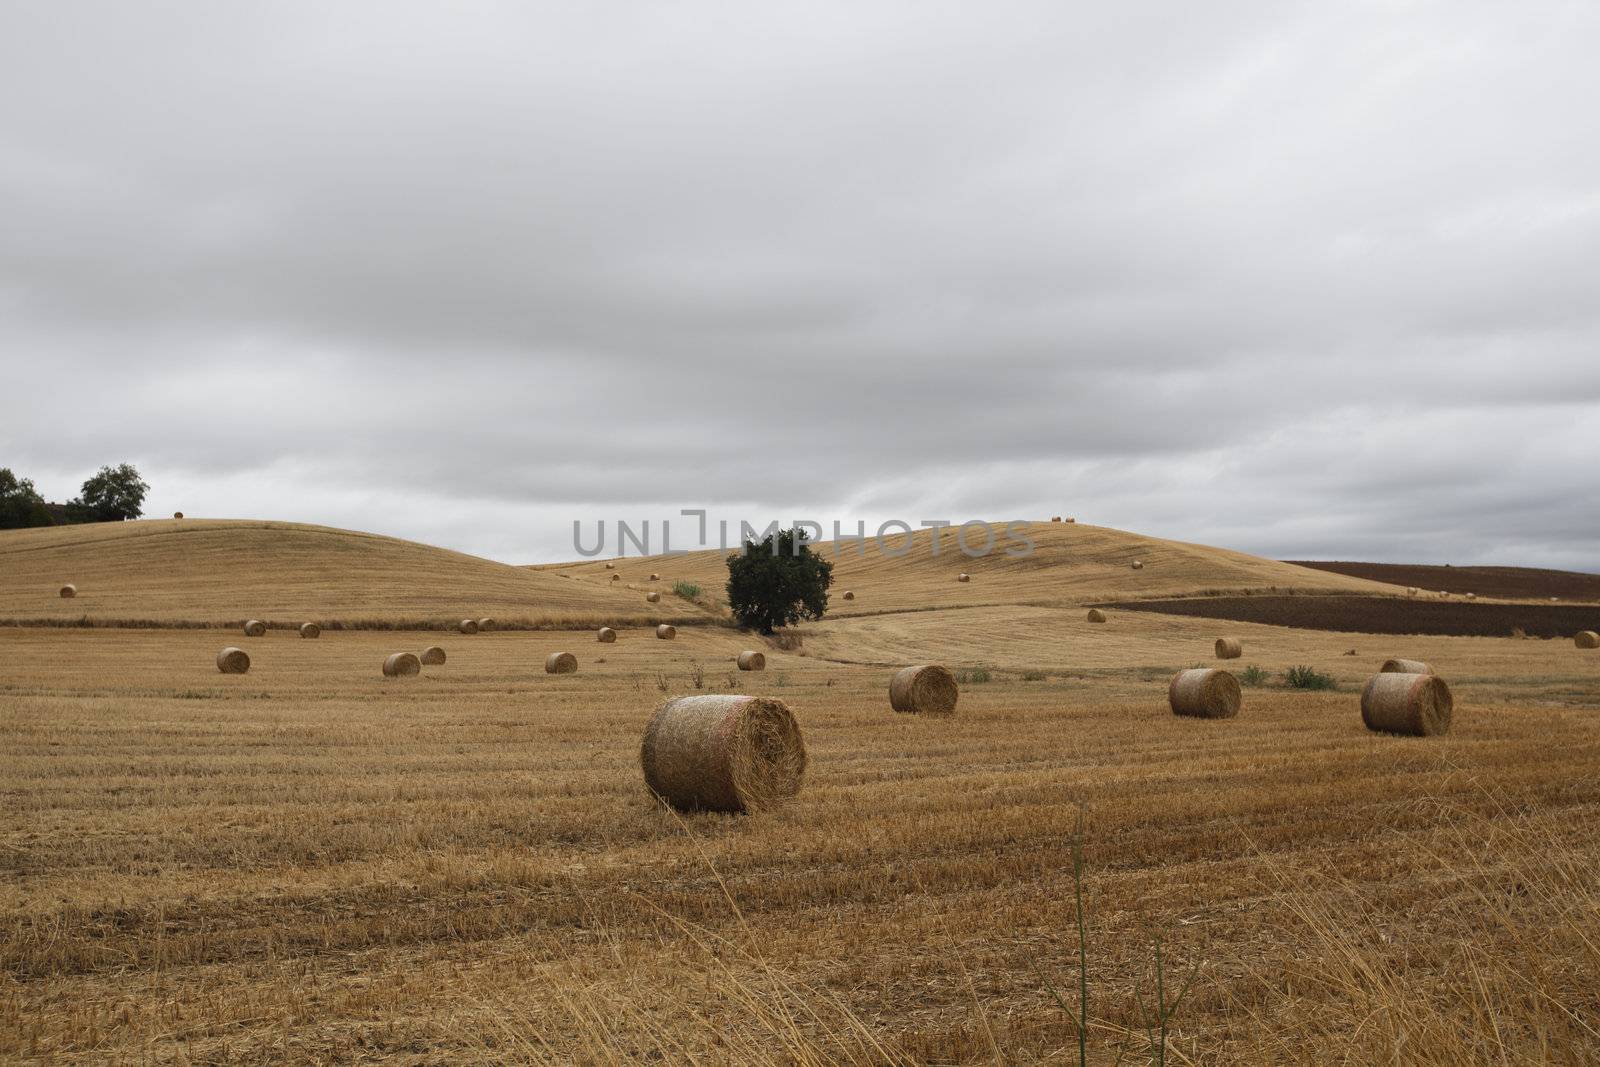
20,504
778,582
112,495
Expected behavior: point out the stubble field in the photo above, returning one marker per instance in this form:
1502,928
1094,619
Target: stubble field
312,862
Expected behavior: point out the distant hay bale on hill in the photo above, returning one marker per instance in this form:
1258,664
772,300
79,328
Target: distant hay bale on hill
1096,615
723,753
750,660
848,595
1137,564
616,577
233,660
1586,639
1204,693
655,577
653,598
1071,519
177,514
255,628
611,566
69,591
1055,518
1416,704
963,577
310,631
1472,596
486,626
605,635
402,664
1411,590
431,656
666,631
927,689
560,663
468,626
1229,648
1404,666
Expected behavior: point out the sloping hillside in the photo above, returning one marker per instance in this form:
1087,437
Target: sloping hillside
220,571
1072,563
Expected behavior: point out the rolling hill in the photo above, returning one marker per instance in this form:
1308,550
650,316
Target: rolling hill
220,571
1072,564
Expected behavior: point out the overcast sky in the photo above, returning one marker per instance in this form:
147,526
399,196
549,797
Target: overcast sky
1308,280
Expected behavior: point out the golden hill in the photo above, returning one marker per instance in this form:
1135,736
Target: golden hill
222,571
1071,564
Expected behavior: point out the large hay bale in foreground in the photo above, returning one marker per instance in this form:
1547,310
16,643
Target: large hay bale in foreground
255,628
928,689
1096,615
401,665
1204,693
486,626
1586,639
653,598
848,595
233,660
1229,648
561,663
1415,704
310,631
751,660
963,577
723,753
666,631
69,591
605,635
432,656
468,626
1404,666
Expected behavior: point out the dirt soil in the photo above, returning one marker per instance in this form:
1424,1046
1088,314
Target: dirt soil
1509,582
1384,615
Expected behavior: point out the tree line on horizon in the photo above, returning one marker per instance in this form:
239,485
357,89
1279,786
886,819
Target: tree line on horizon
112,494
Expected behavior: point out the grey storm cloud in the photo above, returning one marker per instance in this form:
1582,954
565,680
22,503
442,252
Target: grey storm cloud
1305,280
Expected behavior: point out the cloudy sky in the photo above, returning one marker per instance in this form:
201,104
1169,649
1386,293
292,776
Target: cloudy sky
1309,280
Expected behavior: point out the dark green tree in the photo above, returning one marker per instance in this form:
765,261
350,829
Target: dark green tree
20,504
112,495
778,582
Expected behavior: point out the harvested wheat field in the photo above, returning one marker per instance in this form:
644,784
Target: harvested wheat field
312,862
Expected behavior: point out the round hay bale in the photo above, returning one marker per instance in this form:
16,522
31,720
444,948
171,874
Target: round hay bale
561,663
69,591
655,577
723,753
1472,596
255,628
177,514
751,660
432,656
666,632
1055,518
611,566
310,631
653,598
1096,615
486,626
963,577
1404,666
401,665
1229,648
1415,704
1586,639
605,635
468,626
1204,693
1137,564
1411,590
848,595
928,689
616,577
233,660
1069,519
